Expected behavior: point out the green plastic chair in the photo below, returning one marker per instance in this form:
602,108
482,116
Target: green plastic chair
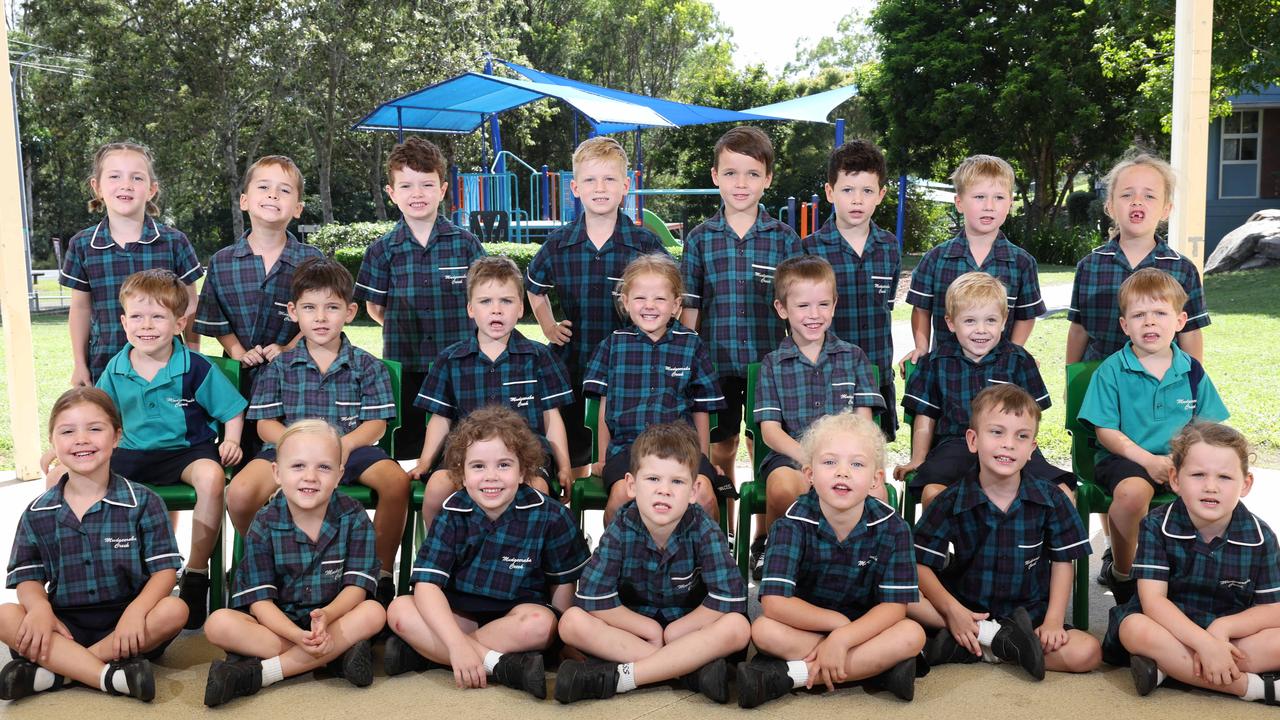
752,495
1090,497
588,493
908,507
655,225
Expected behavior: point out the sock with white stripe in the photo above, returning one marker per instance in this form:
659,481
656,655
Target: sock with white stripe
491,659
798,671
198,571
626,677
271,671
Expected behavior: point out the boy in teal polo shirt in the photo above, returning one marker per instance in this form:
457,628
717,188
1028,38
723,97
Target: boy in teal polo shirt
1139,398
170,399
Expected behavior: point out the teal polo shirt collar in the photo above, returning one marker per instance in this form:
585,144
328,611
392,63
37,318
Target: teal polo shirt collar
179,364
1180,366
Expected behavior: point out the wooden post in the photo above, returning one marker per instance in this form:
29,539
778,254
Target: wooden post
1192,53
24,422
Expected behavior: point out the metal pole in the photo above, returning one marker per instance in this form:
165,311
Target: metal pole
1192,53
902,211
839,132
792,219
399,124
544,184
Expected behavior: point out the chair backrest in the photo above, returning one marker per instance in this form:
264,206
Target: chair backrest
591,419
908,369
490,225
761,448
1084,441
231,370
659,228
387,443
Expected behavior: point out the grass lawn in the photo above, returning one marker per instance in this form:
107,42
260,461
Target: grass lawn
1245,314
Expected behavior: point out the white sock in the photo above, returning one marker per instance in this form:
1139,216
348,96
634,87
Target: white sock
987,630
626,677
117,679
491,659
44,680
198,571
1255,688
1161,677
990,657
271,671
798,672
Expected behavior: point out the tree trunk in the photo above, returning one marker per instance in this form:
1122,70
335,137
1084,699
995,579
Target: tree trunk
375,180
231,176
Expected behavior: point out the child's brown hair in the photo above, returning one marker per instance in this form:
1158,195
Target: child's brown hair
749,141
669,441
1007,398
160,285
283,162
418,154
854,157
813,268
87,395
1212,434
322,273
1151,284
96,204
488,423
493,268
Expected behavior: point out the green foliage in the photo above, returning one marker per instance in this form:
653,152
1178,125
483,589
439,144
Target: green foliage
927,224
1052,243
1078,203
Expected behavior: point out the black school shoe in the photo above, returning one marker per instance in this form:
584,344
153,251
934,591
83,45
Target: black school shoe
1145,674
899,680
386,591
712,680
399,657
577,680
357,664
193,590
523,671
18,679
228,681
941,648
138,676
1269,688
1104,575
757,557
1016,642
763,679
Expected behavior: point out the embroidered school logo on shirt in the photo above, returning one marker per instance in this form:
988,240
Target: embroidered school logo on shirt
521,401
870,559
676,372
333,570
686,582
1234,584
1031,563
121,543
517,563
180,402
1188,404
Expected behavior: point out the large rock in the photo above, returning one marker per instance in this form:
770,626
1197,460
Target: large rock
1254,244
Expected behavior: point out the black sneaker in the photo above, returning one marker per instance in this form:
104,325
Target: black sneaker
941,648
357,664
386,591
757,557
1144,671
899,679
193,590
761,680
399,657
1269,688
1016,642
232,680
522,671
18,679
1104,575
1123,590
712,680
138,676
577,680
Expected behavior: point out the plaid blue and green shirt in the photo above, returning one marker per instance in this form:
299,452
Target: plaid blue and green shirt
946,381
533,546
648,382
794,391
867,285
95,264
283,565
424,290
873,564
586,281
1095,294
1006,262
1001,559
241,297
729,280
105,557
695,568
1207,580
526,377
356,389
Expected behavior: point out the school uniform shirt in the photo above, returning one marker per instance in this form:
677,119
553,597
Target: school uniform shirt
586,281
867,285
1123,396
729,280
423,288
355,389
1001,559
946,381
649,382
874,564
1006,262
521,556
95,264
525,377
241,297
695,568
105,557
283,565
177,408
1095,293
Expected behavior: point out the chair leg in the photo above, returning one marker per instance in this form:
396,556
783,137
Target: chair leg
1080,602
742,539
217,576
406,553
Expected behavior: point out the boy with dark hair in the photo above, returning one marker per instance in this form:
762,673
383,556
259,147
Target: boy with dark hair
411,280
328,378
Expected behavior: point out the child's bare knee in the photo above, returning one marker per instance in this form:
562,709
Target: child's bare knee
220,625
535,625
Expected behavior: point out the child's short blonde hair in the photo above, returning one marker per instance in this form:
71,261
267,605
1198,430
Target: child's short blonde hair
844,423
160,285
812,268
488,423
600,149
973,289
494,268
979,167
660,264
1007,398
312,426
1134,158
1152,284
669,441
283,162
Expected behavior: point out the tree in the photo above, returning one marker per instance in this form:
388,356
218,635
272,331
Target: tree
958,77
852,46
